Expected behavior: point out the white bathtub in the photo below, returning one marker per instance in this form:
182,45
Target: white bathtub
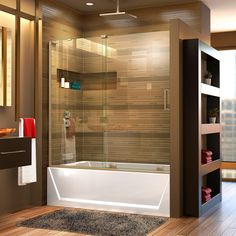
120,190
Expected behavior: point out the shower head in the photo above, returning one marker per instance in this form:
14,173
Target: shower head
118,15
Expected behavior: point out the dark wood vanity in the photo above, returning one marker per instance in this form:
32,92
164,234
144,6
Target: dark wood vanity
15,152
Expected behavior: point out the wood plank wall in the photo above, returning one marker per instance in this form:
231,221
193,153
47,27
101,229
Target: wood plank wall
196,15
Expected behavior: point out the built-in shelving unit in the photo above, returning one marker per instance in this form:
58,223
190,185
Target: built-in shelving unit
199,98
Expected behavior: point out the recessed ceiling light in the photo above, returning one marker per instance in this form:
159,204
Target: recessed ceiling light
89,3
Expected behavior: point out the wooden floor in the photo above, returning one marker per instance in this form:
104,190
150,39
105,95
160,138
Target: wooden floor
220,221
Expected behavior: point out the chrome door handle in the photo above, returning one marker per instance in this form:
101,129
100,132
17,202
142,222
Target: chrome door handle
166,99
12,152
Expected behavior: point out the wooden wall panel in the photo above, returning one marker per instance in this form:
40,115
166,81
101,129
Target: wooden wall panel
224,40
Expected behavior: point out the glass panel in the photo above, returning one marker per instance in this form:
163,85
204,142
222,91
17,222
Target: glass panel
63,103
136,125
228,109
92,113
115,113
75,129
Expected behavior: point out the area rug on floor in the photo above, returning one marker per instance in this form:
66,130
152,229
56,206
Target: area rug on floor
95,222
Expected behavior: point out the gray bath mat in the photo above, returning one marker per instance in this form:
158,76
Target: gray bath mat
95,222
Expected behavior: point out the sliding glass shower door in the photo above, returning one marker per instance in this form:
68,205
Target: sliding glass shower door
135,98
109,100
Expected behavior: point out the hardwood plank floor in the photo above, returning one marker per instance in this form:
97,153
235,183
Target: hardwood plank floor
219,221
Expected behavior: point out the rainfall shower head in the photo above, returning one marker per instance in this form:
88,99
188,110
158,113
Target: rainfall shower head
118,15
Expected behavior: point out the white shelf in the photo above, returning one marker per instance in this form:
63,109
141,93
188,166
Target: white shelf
210,128
210,90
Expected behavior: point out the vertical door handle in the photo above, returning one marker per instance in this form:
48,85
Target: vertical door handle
166,99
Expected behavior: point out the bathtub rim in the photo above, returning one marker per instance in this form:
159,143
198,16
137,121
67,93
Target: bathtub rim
113,169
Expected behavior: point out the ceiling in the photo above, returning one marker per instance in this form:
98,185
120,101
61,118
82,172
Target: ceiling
223,12
223,15
108,5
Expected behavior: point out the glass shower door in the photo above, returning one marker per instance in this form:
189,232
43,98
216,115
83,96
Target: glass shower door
116,98
94,99
77,96
136,115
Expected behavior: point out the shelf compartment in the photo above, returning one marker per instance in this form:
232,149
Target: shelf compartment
212,180
210,167
210,64
207,103
211,142
211,203
210,90
210,128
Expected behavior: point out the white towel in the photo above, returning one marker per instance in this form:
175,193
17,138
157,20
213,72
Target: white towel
27,174
68,147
